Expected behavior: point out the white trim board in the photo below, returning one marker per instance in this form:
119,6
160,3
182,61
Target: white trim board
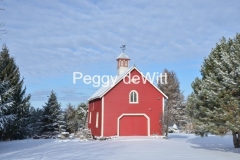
119,79
131,69
102,126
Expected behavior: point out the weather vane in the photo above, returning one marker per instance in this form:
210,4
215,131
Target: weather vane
123,48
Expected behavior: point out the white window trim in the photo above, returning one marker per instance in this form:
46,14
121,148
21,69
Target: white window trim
97,117
102,117
136,97
90,117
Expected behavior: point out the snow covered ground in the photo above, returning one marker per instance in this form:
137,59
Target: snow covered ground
178,146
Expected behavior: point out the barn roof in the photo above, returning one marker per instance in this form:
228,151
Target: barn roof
123,56
104,89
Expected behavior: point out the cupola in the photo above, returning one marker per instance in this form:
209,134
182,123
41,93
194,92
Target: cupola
122,61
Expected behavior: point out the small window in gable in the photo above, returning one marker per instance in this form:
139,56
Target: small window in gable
133,97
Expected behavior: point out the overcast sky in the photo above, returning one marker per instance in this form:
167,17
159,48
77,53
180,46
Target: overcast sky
52,39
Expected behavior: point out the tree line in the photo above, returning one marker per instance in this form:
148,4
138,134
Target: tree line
51,120
18,119
214,105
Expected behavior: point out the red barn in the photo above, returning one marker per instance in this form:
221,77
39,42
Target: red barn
127,106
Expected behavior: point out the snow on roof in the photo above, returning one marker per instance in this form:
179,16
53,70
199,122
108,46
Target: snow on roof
104,89
123,55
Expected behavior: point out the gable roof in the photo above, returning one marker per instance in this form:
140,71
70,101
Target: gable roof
104,89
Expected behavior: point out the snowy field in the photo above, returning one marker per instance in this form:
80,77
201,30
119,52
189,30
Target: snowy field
178,146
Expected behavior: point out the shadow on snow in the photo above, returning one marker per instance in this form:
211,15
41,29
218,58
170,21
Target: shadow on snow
216,143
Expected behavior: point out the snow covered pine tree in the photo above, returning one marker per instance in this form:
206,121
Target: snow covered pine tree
34,125
6,101
214,103
50,116
17,128
61,122
75,116
175,99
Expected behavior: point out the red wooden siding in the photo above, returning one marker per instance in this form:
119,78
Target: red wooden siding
94,107
116,103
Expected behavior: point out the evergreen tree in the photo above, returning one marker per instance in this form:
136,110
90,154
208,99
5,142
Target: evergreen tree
75,117
171,87
35,123
81,113
214,103
16,129
61,122
6,101
181,116
50,116
71,120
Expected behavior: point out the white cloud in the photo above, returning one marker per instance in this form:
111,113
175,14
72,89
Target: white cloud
55,38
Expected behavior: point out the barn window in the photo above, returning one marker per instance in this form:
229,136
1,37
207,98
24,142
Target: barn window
121,64
97,119
90,117
126,64
133,97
